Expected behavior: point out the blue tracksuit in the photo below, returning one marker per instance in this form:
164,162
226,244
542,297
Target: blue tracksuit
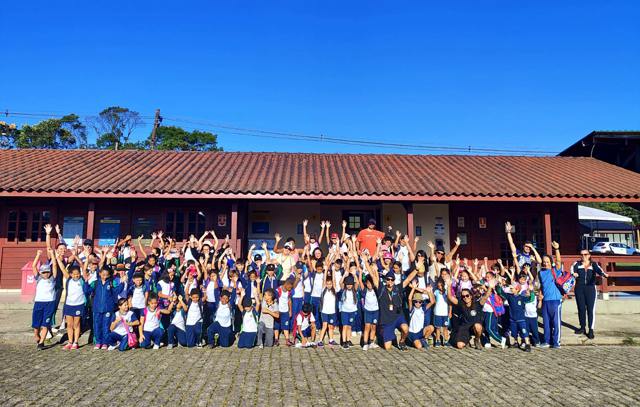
551,308
105,296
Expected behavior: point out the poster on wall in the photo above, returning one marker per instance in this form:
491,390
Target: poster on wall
438,228
108,231
463,238
73,226
222,220
482,222
460,221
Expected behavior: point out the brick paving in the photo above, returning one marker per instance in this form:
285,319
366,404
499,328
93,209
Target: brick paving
320,377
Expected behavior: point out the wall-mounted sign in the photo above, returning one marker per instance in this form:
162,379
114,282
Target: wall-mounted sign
460,221
418,230
438,228
482,222
463,238
222,220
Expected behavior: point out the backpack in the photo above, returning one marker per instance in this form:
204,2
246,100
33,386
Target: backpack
565,281
132,341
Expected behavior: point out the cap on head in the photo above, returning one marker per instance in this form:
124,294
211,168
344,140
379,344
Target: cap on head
348,280
372,222
257,257
88,242
288,245
417,297
387,255
299,265
334,235
45,268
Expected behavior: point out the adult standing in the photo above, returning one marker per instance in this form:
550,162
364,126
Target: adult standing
551,298
585,272
367,238
391,315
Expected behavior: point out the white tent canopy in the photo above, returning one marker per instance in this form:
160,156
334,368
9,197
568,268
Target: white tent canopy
588,213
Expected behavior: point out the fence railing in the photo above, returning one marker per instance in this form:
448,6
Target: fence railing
623,271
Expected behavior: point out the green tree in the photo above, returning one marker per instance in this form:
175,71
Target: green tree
174,138
8,132
63,133
114,126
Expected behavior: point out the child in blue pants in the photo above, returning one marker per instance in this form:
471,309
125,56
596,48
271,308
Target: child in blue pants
176,330
220,332
105,294
122,322
151,329
194,311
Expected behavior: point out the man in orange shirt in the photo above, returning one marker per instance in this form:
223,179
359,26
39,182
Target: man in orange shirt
367,238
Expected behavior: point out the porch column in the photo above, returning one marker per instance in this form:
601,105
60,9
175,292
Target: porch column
91,214
411,230
234,226
547,232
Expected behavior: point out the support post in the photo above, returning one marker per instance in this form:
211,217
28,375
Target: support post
234,226
411,230
91,215
547,232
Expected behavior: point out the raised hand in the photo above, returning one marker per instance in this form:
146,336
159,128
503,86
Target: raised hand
305,222
555,245
160,233
344,224
508,227
277,237
322,225
327,223
48,228
264,245
253,246
458,241
58,231
398,234
154,235
416,239
431,245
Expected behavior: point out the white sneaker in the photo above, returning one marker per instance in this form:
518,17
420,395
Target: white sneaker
373,346
261,347
487,345
169,346
298,345
503,342
111,347
156,347
365,347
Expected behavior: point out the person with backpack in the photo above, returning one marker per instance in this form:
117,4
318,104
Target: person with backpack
551,299
304,327
249,331
585,272
492,310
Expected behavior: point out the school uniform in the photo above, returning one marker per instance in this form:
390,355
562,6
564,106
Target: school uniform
551,307
391,315
531,316
43,302
302,326
105,295
212,299
74,304
222,326
194,323
440,310
138,299
416,324
328,307
492,310
284,322
297,299
517,319
247,337
120,332
152,329
317,280
177,330
371,308
349,312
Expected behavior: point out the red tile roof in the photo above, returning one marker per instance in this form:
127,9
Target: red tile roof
310,176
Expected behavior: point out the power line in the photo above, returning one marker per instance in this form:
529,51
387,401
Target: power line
259,133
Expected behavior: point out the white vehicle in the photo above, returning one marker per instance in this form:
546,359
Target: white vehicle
614,248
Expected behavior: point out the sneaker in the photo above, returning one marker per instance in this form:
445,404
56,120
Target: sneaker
169,346
260,346
527,348
544,346
74,346
447,345
104,347
402,347
111,347
522,345
345,346
215,340
67,346
199,346
487,345
156,347
40,346
297,345
556,346
365,347
97,347
425,344
332,342
503,342
289,343
373,345
436,344
320,344
579,331
276,343
591,335
350,343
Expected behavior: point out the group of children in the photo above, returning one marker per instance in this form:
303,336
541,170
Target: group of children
365,286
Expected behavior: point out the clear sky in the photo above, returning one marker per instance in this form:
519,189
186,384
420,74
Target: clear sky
500,74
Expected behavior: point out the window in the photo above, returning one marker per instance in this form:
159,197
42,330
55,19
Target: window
72,226
355,221
182,223
144,227
108,230
27,225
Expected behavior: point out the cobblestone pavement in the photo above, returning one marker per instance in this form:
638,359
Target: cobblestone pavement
320,377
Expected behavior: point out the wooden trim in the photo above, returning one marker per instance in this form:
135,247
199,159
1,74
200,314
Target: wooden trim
324,197
91,217
547,231
410,224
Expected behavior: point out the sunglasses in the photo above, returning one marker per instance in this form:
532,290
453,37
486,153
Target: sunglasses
466,296
417,302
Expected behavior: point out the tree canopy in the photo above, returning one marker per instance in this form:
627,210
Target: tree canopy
114,126
178,139
66,132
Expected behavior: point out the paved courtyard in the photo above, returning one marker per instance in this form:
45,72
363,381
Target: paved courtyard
582,375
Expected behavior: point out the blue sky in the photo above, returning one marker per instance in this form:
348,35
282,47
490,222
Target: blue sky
499,74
